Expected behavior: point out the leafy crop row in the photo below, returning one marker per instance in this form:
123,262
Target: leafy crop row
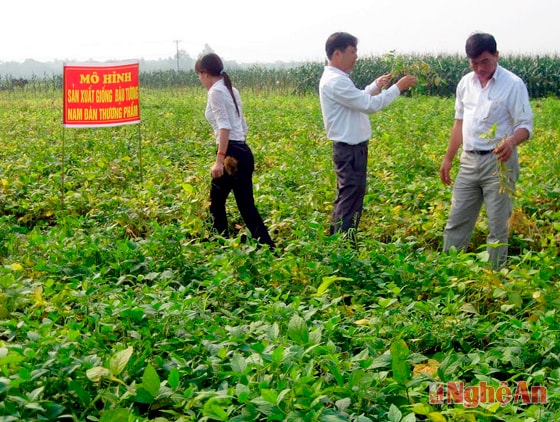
438,75
120,304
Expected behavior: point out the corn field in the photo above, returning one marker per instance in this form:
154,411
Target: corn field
438,75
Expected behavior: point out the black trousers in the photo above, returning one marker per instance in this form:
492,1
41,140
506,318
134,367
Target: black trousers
242,186
350,164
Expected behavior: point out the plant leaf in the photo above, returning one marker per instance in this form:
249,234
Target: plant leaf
151,381
395,415
436,417
238,364
399,364
297,330
119,360
327,281
115,415
173,378
97,372
214,410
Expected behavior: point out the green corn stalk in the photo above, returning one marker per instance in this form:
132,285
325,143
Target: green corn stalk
502,170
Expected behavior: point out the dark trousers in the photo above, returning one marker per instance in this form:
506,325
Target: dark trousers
242,185
350,165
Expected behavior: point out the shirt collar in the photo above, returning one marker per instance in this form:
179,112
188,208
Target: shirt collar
336,70
218,82
497,73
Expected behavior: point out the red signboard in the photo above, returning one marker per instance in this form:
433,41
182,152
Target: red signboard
101,94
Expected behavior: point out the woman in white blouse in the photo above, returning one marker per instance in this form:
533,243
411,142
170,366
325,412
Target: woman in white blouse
234,165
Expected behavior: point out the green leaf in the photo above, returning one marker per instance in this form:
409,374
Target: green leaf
119,360
383,361
385,302
151,381
343,404
114,415
448,366
35,394
97,372
395,415
282,395
399,364
297,330
263,405
436,417
187,188
421,408
174,378
326,417
242,392
11,359
327,281
335,372
411,417
238,364
80,392
273,331
278,354
269,395
214,410
35,406
143,396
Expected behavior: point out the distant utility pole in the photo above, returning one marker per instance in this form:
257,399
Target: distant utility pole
177,55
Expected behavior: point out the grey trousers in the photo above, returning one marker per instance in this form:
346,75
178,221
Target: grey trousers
350,164
478,182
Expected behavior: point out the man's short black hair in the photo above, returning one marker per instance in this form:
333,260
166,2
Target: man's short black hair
479,43
339,41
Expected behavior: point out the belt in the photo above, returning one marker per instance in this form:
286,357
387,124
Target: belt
480,152
346,144
233,141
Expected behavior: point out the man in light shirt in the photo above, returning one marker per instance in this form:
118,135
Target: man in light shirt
492,117
346,110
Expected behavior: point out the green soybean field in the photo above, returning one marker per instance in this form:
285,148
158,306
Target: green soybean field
118,303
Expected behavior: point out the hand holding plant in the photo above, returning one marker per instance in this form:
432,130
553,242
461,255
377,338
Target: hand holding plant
403,67
406,82
503,151
383,80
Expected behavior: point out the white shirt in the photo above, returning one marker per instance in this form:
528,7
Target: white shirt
345,108
222,114
504,101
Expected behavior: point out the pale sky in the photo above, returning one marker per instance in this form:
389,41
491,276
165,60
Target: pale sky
261,31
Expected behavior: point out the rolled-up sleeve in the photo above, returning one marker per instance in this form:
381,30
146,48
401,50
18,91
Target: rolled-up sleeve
521,111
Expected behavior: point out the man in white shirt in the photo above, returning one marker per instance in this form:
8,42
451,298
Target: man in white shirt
346,110
492,117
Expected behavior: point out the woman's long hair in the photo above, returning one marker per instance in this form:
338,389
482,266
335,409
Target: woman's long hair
213,65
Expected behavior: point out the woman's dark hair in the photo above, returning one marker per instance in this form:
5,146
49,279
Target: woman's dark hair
339,41
213,65
479,43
